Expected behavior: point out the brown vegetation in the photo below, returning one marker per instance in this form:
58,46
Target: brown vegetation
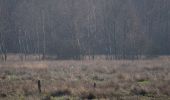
72,80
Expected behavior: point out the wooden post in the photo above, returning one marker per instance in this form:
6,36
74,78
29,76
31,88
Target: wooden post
94,85
39,86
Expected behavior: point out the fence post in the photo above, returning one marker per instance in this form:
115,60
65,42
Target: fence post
94,85
39,86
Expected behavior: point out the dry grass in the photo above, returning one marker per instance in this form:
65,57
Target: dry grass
74,80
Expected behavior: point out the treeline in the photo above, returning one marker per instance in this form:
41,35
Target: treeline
74,29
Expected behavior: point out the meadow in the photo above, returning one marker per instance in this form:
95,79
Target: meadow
145,79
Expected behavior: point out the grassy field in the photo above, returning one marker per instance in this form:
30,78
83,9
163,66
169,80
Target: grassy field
78,80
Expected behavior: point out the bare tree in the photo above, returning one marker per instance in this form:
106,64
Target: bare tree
38,42
44,35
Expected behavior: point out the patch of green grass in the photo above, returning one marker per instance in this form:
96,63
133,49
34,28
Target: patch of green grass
97,78
62,98
12,77
144,82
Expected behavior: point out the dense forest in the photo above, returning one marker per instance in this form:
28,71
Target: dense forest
73,29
